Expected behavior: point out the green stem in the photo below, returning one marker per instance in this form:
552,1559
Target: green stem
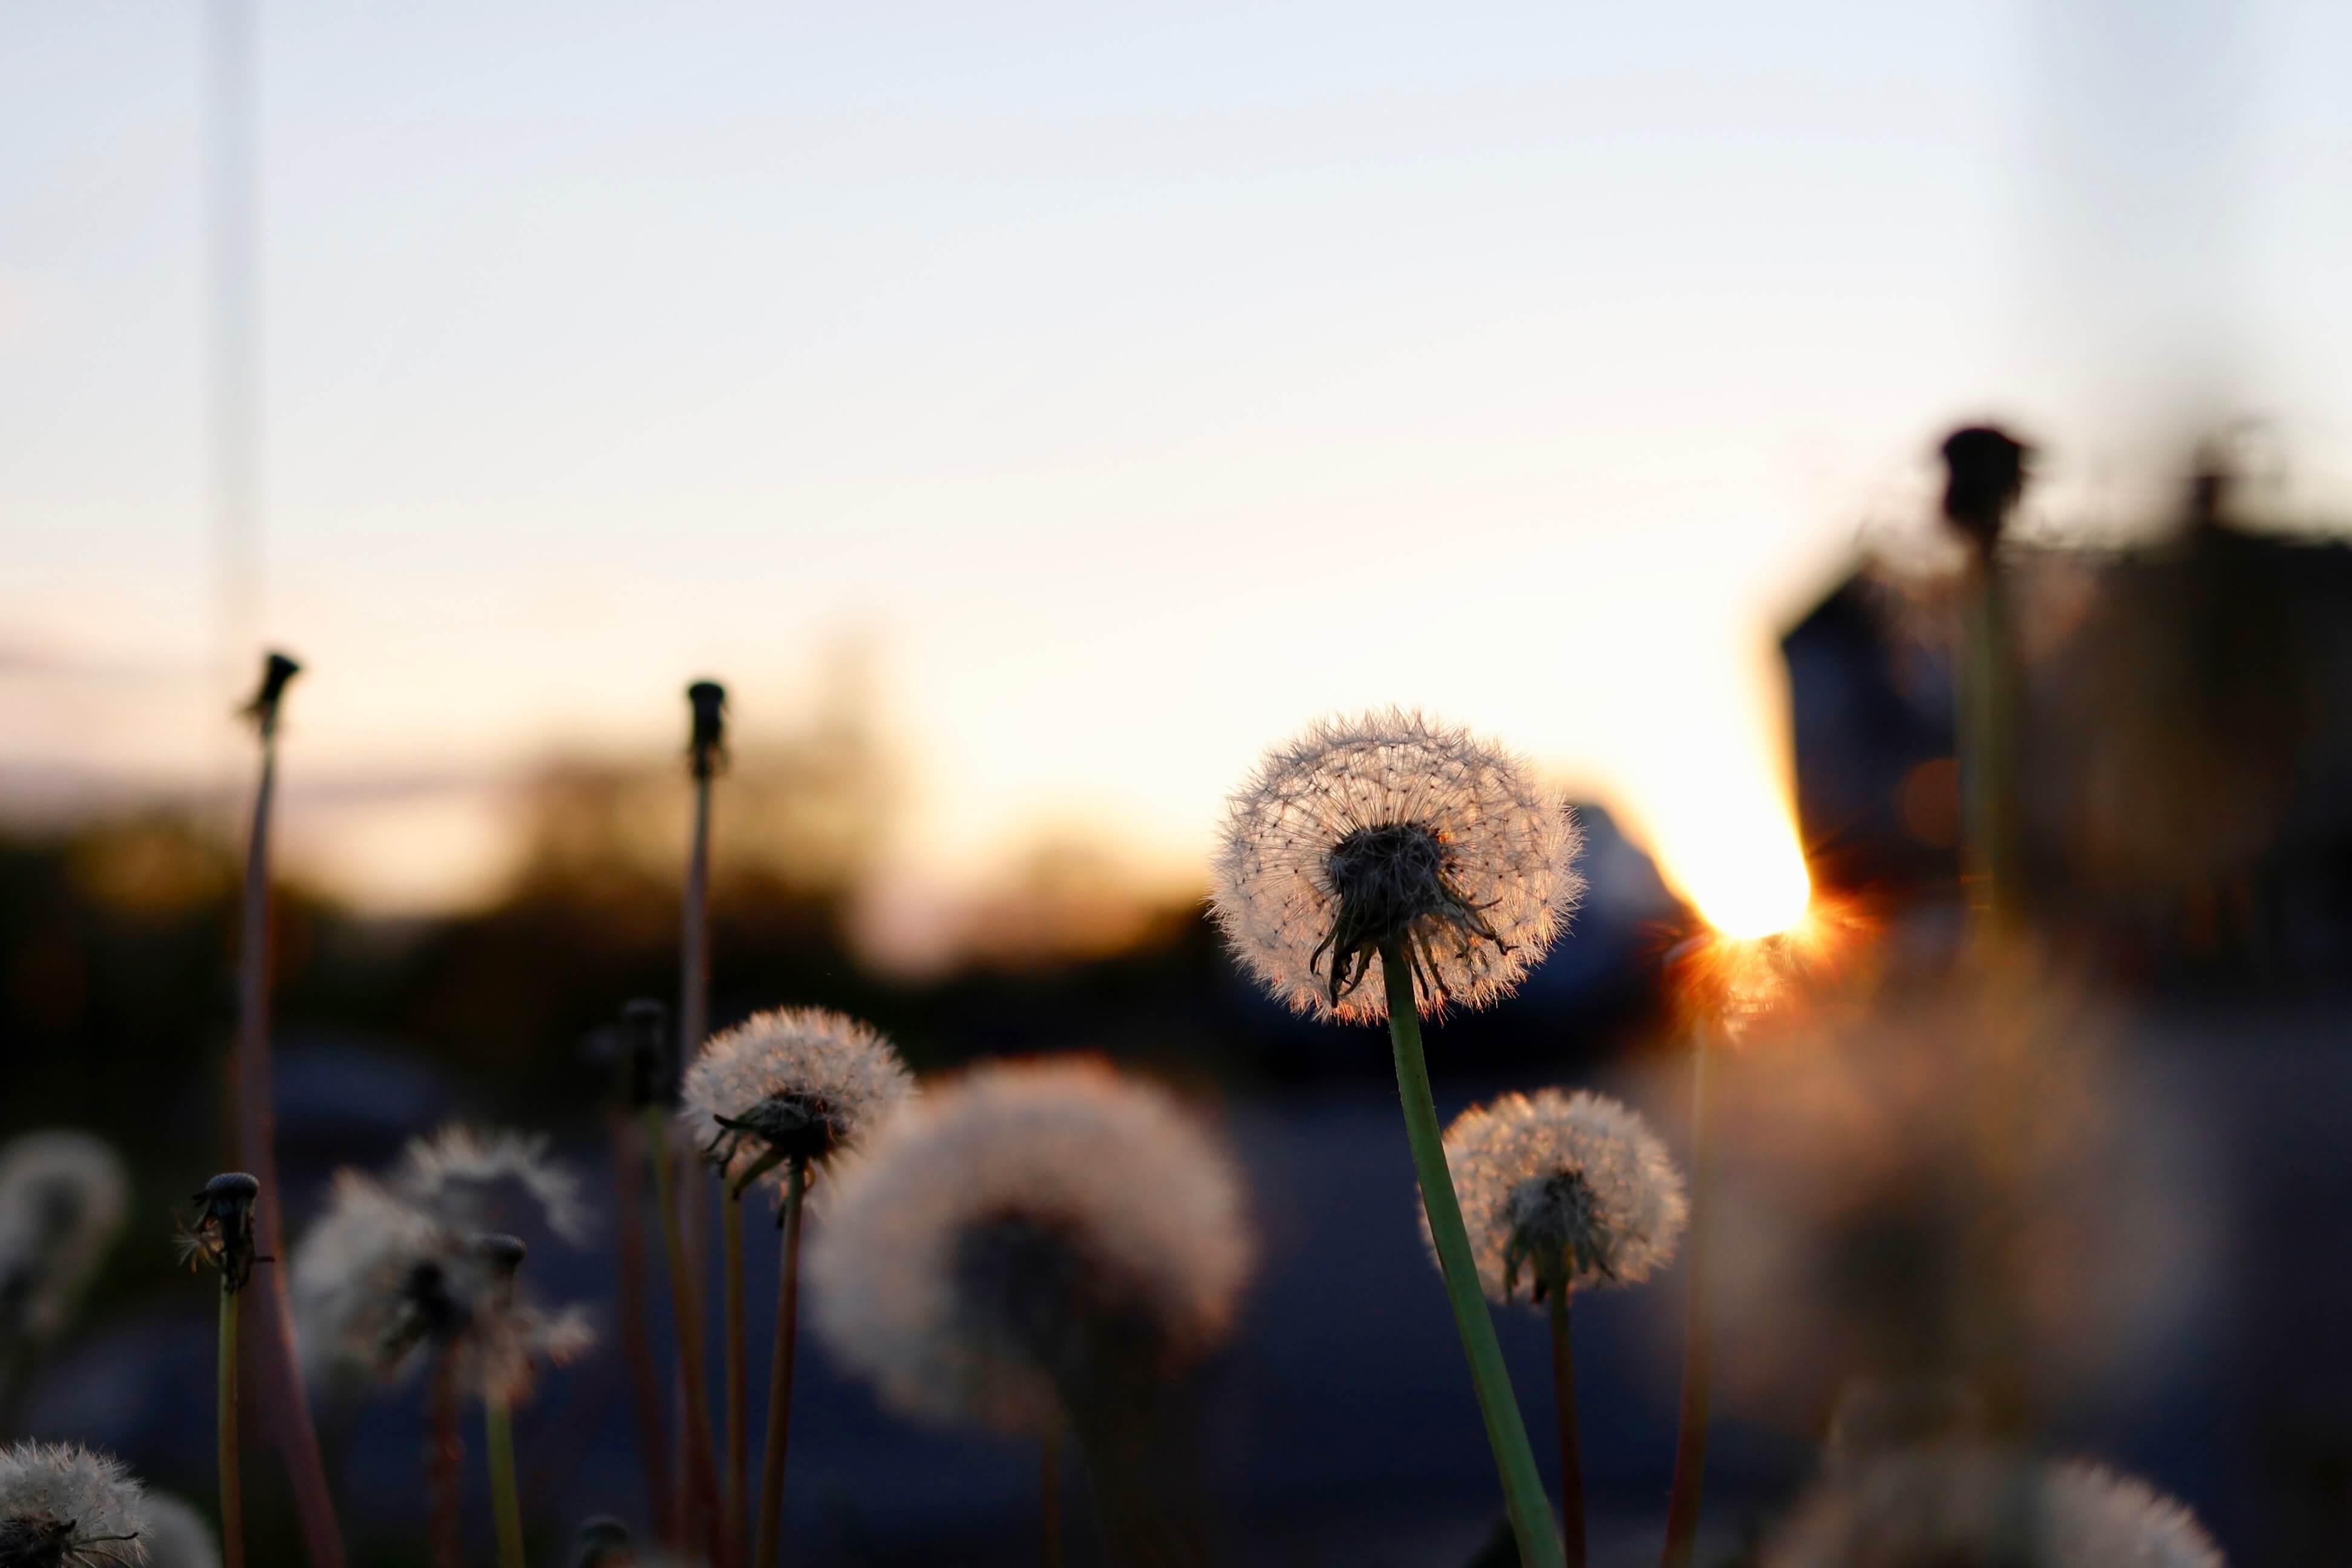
1523,1492
1571,1452
1690,1439
738,1439
498,1431
1049,1498
685,1307
779,1374
232,1476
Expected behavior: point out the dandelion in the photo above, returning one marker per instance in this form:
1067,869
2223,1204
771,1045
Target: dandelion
1962,1504
780,1097
1389,838
484,1182
1563,1192
64,1506
176,1535
62,1197
1388,833
1038,1246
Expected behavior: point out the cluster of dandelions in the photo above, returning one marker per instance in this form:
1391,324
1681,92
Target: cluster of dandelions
1391,834
406,1265
1029,1244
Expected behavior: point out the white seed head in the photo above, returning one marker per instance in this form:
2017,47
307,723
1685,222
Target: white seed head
798,1081
1388,828
1557,1188
1030,1240
1965,1505
64,1504
177,1536
62,1197
497,1181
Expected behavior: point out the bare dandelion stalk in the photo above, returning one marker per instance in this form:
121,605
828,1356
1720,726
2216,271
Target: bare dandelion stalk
1986,477
1523,1489
222,1236
685,1305
738,1440
290,1424
506,1499
705,753
1049,1498
637,1336
779,1375
1571,1451
1690,1435
444,1458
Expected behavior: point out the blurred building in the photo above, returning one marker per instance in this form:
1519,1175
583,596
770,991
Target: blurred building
2185,748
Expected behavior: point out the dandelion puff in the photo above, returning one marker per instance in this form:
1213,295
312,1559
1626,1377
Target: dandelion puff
62,1199
509,1336
1033,1241
64,1506
482,1181
374,1280
176,1535
1962,1504
1561,1191
793,1084
1388,828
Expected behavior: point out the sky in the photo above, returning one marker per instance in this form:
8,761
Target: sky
1130,383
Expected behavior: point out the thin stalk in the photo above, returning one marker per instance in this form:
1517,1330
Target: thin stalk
445,1456
1049,1498
1690,1439
290,1423
1523,1491
779,1374
687,1308
232,1476
636,1333
1571,1452
506,1501
739,1438
1988,713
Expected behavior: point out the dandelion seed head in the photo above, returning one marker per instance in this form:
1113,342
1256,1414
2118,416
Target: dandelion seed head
64,1506
1967,1506
176,1535
1029,1240
478,1182
1387,827
795,1083
1560,1190
62,1199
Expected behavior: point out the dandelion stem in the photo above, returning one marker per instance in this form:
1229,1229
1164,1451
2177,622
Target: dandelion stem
738,1439
291,1425
1571,1452
1049,1498
636,1335
1523,1491
779,1376
685,1307
445,1454
1690,1439
497,1436
232,1476
1988,759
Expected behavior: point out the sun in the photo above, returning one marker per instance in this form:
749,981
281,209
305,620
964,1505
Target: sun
1744,872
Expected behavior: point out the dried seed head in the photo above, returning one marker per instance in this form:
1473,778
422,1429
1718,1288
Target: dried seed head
509,1337
62,1197
176,1535
489,1183
277,670
1563,1192
1031,1242
706,746
795,1084
64,1506
1985,470
1388,829
1968,1506
220,1237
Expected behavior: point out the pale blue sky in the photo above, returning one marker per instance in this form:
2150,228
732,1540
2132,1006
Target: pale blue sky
1139,381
